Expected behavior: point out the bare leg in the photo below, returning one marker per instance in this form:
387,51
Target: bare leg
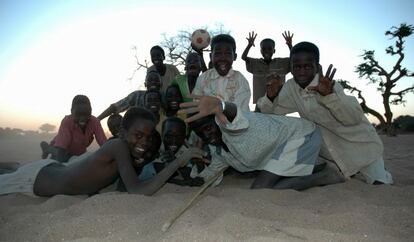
265,179
327,176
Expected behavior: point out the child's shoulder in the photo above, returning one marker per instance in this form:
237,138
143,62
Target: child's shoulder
68,119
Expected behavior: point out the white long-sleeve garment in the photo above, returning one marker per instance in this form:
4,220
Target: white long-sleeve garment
348,137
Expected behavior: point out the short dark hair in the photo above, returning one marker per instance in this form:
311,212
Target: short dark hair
174,86
307,47
223,38
190,54
135,113
113,117
268,40
157,47
152,91
153,71
79,100
176,120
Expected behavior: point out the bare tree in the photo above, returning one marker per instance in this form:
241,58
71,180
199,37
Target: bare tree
179,45
47,128
140,65
385,80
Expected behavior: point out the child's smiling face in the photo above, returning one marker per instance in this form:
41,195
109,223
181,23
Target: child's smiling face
222,58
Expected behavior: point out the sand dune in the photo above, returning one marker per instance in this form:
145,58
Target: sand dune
351,211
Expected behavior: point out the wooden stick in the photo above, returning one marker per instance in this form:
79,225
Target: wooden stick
168,224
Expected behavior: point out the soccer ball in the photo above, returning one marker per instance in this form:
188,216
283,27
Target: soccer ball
200,39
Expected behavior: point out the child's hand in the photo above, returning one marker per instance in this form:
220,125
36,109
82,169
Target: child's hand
251,38
273,86
199,51
167,156
184,156
203,106
326,83
288,38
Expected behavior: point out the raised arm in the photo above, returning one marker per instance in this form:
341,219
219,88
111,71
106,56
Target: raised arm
277,100
110,110
250,43
200,53
288,38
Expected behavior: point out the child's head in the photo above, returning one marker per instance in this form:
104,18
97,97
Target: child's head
304,62
207,129
193,64
152,152
267,48
152,100
157,55
81,110
173,98
138,125
114,124
173,133
153,80
223,53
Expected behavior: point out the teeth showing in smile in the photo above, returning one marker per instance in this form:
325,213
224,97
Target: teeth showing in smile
222,67
139,149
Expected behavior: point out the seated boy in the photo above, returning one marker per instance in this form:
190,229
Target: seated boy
114,125
76,132
135,98
278,147
349,138
223,82
173,138
167,72
118,158
262,67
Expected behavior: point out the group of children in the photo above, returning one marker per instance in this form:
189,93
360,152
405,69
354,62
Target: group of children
187,128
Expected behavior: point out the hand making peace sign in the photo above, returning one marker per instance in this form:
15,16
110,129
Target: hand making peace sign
326,83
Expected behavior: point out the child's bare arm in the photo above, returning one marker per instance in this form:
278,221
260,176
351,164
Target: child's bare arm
148,187
200,53
110,110
250,43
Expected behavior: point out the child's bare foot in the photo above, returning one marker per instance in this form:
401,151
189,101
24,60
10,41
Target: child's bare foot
327,176
45,149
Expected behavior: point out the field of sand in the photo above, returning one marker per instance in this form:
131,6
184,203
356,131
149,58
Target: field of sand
351,211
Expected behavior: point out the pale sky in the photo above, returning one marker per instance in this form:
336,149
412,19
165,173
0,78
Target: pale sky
51,51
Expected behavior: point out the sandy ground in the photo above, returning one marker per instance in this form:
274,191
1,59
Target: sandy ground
351,211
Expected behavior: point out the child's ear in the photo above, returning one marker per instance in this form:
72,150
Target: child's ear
235,56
